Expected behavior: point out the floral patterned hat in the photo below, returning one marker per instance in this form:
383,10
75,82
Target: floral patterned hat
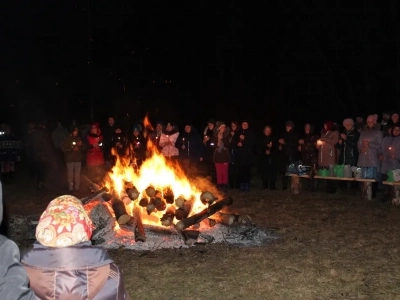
64,223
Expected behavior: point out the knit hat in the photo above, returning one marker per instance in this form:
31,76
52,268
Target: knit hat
64,223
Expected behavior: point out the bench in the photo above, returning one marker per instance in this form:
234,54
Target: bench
394,191
365,186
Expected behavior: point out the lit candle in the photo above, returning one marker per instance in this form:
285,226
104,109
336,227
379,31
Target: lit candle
183,139
73,143
319,142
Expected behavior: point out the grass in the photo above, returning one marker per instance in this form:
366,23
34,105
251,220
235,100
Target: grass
331,247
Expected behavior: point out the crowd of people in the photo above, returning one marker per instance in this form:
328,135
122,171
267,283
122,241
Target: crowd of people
226,152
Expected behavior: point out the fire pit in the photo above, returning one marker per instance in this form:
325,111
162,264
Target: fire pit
156,207
159,207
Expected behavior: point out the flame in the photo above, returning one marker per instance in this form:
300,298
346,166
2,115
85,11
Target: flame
157,172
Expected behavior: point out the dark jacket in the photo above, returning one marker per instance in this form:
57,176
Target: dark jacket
13,278
270,143
289,152
309,151
91,274
139,146
244,155
348,149
42,146
194,147
72,151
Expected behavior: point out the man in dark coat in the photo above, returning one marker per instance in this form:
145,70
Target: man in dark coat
288,151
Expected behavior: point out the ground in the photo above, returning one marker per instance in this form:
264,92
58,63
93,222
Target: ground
330,247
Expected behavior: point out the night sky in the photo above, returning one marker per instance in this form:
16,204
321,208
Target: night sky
185,60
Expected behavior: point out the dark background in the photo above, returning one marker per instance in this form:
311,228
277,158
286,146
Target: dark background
192,60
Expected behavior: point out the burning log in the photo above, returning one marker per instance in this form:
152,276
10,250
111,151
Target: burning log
185,206
207,212
229,219
207,198
180,214
140,234
144,202
159,203
180,201
124,198
121,215
168,218
150,208
132,193
168,195
106,197
212,222
150,191
97,193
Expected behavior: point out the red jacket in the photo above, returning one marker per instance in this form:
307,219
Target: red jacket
94,156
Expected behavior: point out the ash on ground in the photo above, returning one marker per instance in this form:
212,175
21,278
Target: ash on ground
239,235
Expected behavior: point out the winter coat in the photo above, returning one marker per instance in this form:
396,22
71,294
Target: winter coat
58,136
10,148
309,151
263,146
327,150
13,279
167,142
94,155
42,146
75,272
244,155
289,152
221,156
390,146
72,151
348,149
139,146
370,158
194,148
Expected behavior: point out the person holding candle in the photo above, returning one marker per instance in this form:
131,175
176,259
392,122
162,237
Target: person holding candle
370,148
168,139
390,154
326,146
244,145
94,156
139,146
309,152
73,149
191,149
